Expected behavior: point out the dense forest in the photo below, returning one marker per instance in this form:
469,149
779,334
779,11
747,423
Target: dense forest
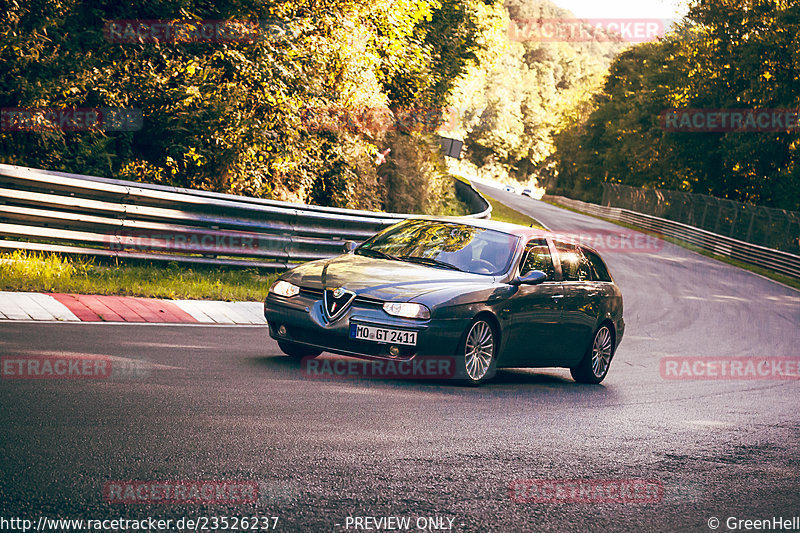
726,55
523,90
231,115
339,102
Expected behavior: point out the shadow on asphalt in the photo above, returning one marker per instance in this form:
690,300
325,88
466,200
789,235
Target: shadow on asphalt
507,382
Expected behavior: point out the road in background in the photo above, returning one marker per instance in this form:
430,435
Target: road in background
214,402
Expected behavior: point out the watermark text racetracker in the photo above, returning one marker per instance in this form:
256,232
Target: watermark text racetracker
621,241
729,120
146,31
70,119
181,492
73,366
198,523
375,120
442,367
730,368
54,367
572,30
210,241
586,490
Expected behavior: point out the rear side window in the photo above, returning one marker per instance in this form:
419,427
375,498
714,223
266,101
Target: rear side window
599,270
574,265
537,257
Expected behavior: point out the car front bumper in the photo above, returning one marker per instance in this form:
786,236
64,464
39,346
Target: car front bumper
303,321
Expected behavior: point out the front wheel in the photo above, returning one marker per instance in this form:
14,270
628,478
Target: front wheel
297,351
479,349
594,365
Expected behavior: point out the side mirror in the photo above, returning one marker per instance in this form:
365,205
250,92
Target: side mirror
348,247
534,277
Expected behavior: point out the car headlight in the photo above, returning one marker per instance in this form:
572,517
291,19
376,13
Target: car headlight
285,289
407,310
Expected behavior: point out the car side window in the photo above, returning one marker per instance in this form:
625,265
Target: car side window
537,257
574,265
599,270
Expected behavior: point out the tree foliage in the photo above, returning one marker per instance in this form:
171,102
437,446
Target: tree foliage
725,55
524,89
229,116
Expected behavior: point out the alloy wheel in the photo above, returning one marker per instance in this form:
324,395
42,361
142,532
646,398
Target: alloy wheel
601,352
479,350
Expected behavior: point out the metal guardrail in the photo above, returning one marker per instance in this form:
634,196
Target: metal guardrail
775,260
74,214
764,226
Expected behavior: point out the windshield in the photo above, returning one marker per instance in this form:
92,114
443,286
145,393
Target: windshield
444,245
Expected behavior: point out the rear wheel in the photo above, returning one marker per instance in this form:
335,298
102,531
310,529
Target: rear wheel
594,365
298,351
479,349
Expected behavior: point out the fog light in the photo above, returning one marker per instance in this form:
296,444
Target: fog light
282,330
394,351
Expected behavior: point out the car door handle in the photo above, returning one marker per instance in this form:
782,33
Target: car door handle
557,296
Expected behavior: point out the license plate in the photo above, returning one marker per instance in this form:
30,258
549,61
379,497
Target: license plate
389,336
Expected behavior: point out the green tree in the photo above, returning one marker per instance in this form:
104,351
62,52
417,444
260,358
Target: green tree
724,55
231,116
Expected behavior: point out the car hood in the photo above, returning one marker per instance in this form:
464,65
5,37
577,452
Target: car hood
383,279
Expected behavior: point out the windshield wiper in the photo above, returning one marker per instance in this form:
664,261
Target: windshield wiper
429,261
375,253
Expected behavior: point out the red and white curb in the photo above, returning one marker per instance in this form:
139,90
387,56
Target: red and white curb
96,308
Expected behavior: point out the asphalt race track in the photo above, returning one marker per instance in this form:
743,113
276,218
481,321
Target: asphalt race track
220,403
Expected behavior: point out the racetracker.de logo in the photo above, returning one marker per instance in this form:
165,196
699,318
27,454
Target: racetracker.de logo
566,30
215,242
586,491
443,367
375,120
185,31
70,119
729,368
726,120
55,367
622,241
181,492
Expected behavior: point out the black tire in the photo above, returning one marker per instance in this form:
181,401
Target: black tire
478,353
298,351
594,366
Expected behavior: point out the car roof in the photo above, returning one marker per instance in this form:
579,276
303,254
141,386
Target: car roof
507,227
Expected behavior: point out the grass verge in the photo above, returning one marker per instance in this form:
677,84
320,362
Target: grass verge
48,272
791,282
38,272
502,213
